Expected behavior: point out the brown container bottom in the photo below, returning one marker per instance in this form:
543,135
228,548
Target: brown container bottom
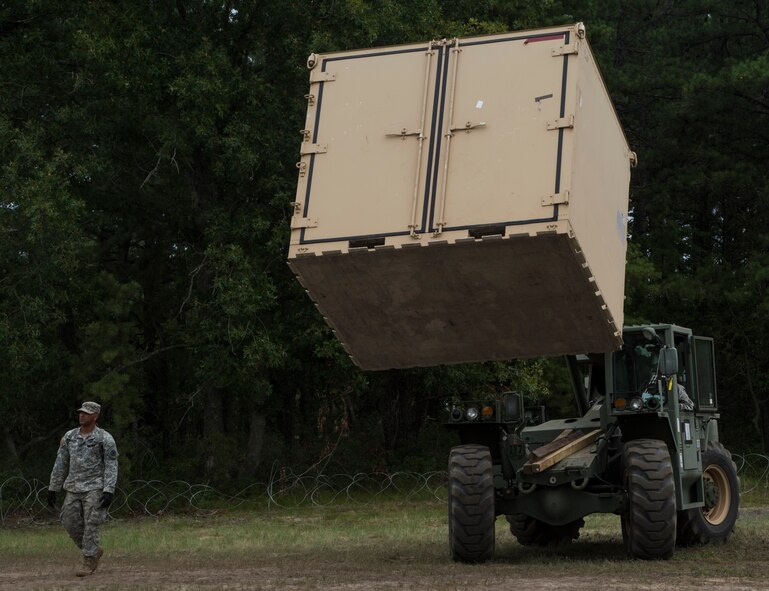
505,298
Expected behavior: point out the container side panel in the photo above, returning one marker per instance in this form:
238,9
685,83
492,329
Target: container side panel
500,172
598,209
364,182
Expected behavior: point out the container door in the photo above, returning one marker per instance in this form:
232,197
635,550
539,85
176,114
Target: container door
369,127
503,134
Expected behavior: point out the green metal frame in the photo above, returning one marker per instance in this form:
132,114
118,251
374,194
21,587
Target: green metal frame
554,495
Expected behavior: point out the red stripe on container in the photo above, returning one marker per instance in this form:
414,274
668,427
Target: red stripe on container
548,38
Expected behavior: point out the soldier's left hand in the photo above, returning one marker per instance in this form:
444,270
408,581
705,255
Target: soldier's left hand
106,500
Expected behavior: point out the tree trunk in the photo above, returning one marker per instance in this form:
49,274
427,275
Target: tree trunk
401,419
213,428
257,425
763,417
11,455
761,410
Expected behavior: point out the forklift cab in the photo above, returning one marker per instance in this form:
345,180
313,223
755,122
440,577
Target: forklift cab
645,373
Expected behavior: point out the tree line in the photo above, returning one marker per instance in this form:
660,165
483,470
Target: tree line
147,170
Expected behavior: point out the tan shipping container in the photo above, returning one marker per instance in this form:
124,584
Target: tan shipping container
463,200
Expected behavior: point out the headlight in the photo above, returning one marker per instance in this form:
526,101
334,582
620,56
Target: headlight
456,414
471,414
636,404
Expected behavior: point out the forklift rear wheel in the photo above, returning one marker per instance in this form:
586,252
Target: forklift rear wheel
715,521
533,532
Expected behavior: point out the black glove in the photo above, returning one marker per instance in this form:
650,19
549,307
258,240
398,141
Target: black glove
106,500
51,498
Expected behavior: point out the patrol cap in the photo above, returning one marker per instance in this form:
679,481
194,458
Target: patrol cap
91,408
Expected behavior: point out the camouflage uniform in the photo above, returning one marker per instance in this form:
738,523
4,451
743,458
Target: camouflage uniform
86,467
684,402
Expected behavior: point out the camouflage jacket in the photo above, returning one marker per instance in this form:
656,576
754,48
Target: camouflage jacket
85,463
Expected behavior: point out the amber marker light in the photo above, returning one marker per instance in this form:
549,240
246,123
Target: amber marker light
487,412
620,403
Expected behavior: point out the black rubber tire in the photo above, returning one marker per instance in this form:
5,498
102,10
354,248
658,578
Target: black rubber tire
649,521
471,504
533,532
716,520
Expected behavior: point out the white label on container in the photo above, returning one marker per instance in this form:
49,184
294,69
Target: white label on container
479,105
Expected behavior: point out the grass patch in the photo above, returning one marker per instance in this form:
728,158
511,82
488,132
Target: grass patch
378,545
338,532
755,490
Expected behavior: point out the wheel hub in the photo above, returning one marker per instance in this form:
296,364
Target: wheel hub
717,494
711,492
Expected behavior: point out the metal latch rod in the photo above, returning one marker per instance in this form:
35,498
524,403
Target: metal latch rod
441,221
468,126
415,198
404,133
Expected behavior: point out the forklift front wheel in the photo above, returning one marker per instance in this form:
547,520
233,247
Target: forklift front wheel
471,504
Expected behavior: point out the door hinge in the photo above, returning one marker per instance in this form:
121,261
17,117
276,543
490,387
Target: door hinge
557,199
563,122
317,76
298,223
308,148
566,49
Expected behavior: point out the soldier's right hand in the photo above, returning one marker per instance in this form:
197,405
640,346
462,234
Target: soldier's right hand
106,500
51,498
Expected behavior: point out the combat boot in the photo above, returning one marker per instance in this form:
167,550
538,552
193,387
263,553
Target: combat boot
89,565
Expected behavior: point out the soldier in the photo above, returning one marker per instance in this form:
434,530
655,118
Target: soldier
86,466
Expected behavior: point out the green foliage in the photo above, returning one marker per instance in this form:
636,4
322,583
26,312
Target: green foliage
147,172
642,286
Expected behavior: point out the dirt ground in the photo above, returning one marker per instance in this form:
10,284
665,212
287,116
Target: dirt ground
119,574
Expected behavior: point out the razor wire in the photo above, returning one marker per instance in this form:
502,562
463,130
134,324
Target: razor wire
23,501
754,465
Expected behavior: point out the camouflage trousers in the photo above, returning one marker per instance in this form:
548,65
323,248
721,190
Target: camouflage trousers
81,516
